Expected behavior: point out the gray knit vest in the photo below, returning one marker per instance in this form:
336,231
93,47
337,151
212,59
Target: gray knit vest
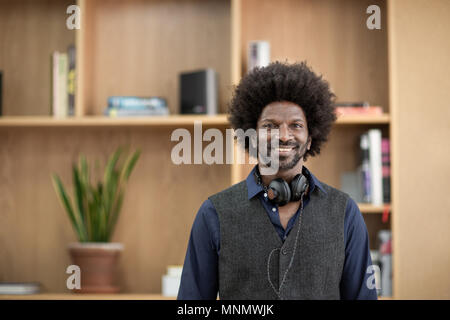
247,238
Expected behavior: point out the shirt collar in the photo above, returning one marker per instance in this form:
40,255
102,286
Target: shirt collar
254,188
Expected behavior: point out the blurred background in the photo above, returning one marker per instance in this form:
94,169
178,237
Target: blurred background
87,77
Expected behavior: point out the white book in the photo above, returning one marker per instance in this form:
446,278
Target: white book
375,166
63,95
55,83
19,288
258,54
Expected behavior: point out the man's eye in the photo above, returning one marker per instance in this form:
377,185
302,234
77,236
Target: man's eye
298,125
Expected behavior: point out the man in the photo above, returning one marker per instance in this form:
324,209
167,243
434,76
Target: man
246,245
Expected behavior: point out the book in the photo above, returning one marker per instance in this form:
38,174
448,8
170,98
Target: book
386,169
19,288
116,112
351,183
60,96
352,104
124,106
136,103
258,54
385,251
71,78
372,110
198,92
365,169
170,282
55,82
376,177
375,257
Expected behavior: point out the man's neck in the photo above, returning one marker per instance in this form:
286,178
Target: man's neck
286,175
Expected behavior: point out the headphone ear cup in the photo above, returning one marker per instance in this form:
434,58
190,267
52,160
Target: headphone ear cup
298,186
279,192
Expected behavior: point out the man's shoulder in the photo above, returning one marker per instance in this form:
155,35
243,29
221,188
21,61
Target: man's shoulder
237,187
333,191
231,195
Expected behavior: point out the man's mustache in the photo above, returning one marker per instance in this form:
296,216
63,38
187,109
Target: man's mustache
280,144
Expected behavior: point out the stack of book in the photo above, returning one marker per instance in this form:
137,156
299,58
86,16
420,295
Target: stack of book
357,108
63,83
20,288
126,106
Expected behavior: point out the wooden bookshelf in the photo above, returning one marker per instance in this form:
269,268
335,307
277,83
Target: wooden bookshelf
139,48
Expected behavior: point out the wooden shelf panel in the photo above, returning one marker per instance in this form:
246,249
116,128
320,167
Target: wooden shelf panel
90,296
156,121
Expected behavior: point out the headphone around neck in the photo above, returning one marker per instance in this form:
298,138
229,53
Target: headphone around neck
280,192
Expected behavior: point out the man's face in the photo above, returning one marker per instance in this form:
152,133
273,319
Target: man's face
290,120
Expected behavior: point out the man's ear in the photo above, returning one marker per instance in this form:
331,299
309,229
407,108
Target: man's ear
309,143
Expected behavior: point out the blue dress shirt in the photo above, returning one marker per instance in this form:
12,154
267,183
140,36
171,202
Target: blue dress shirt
200,278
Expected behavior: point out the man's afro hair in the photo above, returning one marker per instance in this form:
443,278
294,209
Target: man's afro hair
295,83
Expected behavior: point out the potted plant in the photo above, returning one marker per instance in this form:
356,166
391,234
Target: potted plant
93,213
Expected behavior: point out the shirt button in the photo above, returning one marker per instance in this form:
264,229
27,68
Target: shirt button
284,252
274,209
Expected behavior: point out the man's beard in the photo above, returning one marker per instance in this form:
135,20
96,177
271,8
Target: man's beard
285,164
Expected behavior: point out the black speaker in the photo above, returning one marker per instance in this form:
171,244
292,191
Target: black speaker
198,92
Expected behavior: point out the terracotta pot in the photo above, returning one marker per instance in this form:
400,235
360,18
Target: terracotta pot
98,264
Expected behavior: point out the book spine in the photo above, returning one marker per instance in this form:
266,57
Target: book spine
258,54
376,176
385,251
129,102
62,85
114,112
386,163
55,82
372,110
365,168
71,53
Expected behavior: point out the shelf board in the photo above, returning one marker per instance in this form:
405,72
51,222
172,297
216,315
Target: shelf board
85,296
357,119
156,121
103,121
368,208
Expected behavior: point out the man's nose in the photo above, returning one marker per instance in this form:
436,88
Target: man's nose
285,134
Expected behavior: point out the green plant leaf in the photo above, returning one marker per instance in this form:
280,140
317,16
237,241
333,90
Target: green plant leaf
97,205
79,195
130,163
67,205
115,214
